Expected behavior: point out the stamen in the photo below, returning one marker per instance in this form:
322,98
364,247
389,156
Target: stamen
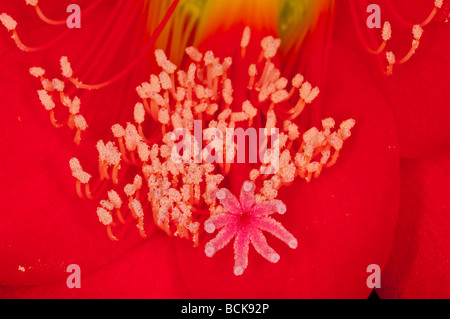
297,81
183,196
386,35
49,105
252,73
37,72
417,32
105,218
74,106
279,96
81,176
58,85
139,117
270,46
391,61
245,40
292,130
47,85
66,69
115,200
163,62
119,132
194,54
81,125
106,205
32,2
129,190
9,23
46,100
165,81
254,174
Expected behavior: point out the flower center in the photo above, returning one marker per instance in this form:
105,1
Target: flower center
182,195
245,219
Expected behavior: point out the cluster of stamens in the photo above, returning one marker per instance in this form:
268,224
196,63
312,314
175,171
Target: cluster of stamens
182,194
182,191
315,150
386,34
53,90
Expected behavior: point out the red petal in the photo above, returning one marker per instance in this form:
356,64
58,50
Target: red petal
45,226
146,271
336,218
344,220
417,92
418,266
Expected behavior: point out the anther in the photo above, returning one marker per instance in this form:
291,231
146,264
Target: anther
66,69
106,205
194,54
245,40
81,125
49,105
162,61
37,72
8,22
46,100
386,33
270,46
166,82
81,176
252,73
391,61
58,85
106,219
115,200
104,216
136,208
417,32
32,2
279,96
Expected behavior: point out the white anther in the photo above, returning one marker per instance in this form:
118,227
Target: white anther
66,69
386,33
46,100
80,122
194,54
37,71
390,57
104,216
114,198
8,21
32,2
245,37
118,130
139,113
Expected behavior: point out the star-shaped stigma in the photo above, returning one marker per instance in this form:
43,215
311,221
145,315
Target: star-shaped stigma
245,219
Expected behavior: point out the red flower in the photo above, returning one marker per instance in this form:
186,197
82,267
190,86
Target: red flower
344,221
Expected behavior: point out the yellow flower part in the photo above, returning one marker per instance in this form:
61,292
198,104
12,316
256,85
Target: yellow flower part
196,20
